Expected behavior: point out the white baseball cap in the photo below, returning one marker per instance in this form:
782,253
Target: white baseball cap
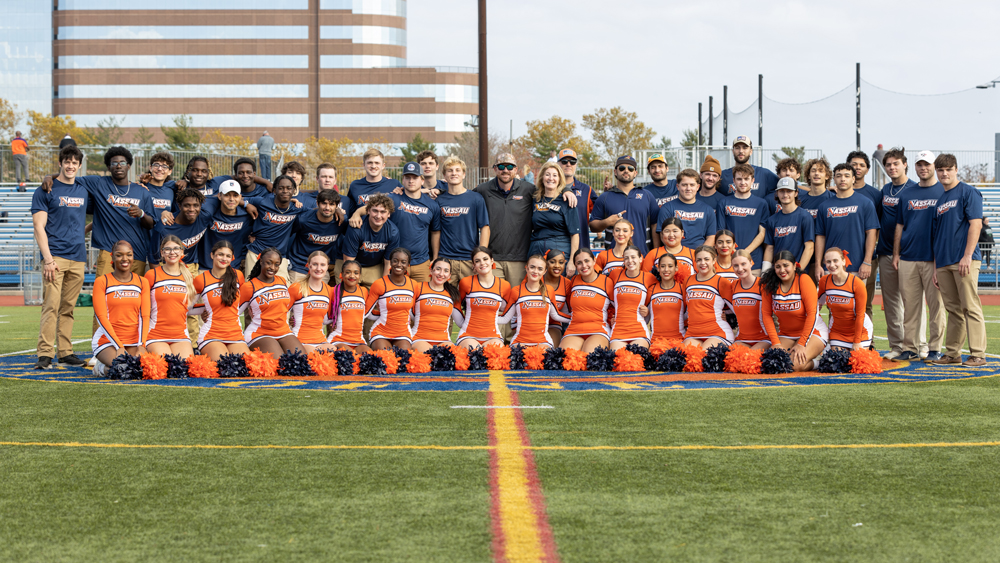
230,186
925,156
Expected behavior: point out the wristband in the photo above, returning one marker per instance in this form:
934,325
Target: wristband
143,213
866,263
765,267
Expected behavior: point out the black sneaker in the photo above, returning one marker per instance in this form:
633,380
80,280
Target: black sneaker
44,362
932,357
72,360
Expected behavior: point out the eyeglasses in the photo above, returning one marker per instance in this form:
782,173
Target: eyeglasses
570,161
119,164
506,166
623,168
171,250
160,166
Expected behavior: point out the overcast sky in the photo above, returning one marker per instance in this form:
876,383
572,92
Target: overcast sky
660,58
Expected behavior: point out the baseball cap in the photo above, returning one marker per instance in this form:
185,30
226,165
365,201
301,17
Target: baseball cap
925,156
230,186
506,158
567,153
786,183
743,139
413,169
656,156
627,159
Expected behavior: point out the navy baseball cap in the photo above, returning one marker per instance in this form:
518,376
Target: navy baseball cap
412,168
627,159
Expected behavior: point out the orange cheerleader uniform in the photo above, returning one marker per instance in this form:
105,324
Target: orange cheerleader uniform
394,303
628,294
483,307
168,307
667,311
223,324
705,302
726,273
532,310
310,312
588,303
607,264
747,308
268,304
849,324
558,296
348,322
685,260
432,313
122,311
798,316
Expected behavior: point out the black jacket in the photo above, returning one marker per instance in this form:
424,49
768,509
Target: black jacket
510,218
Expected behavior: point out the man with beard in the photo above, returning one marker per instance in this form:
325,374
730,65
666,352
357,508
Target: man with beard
663,190
709,192
626,201
316,229
765,181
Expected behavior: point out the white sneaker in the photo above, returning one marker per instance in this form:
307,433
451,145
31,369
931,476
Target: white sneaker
92,362
892,355
100,369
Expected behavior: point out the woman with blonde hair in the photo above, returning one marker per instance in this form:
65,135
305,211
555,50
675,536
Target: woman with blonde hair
172,294
310,296
554,224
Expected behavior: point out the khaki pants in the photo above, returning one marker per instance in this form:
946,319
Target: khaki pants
916,286
193,323
965,311
892,302
421,272
513,272
459,269
105,265
371,274
251,260
58,302
870,286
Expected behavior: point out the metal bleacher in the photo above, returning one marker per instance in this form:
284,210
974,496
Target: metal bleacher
16,234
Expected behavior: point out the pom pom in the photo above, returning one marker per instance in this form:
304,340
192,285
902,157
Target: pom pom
232,365
402,359
648,361
601,359
370,364
462,362
389,359
552,359
442,358
715,359
154,366
661,345
125,368
627,361
419,363
671,360
261,364
694,354
177,367
866,361
575,360
202,367
776,360
294,363
497,357
741,359
323,364
835,360
534,358
345,362
477,359
517,357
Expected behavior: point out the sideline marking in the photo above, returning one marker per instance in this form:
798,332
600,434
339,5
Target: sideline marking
238,446
521,529
36,349
499,407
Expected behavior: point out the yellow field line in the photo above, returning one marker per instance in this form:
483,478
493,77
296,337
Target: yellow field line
774,446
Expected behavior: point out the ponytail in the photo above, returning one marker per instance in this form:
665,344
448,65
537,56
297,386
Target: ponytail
255,271
338,291
230,281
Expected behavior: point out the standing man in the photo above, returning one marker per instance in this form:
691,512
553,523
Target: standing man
19,147
765,181
879,154
66,141
789,168
663,190
957,223
428,162
585,196
745,214
913,262
316,229
626,201
465,223
265,144
372,244
230,222
892,298
326,179
861,165
373,182
709,193
275,218
700,220
59,218
848,222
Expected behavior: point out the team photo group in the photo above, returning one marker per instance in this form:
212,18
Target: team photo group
225,262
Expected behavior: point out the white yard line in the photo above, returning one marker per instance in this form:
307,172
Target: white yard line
36,349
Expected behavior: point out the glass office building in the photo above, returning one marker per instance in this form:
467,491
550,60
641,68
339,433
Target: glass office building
298,68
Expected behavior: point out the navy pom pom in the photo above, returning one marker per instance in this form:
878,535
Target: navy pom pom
715,359
345,362
835,360
553,359
776,360
648,361
671,360
177,368
601,359
442,358
370,364
517,357
125,367
477,359
402,359
232,365
294,363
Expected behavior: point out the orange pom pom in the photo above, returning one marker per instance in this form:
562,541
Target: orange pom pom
862,361
534,357
154,366
202,367
694,355
743,360
323,364
419,362
661,345
461,358
575,360
261,364
389,358
357,361
627,361
497,357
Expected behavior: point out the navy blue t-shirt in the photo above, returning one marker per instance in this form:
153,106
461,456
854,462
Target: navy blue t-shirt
462,216
700,220
663,194
361,189
845,223
765,183
875,195
235,229
745,217
191,236
309,235
112,222
273,226
789,231
66,206
639,207
163,198
552,225
713,201
811,203
917,207
368,247
585,200
212,187
955,208
890,209
416,219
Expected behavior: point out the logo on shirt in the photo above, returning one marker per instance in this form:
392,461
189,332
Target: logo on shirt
700,295
585,293
517,198
785,231
787,305
920,204
363,199
176,289
628,290
813,212
837,299
278,219
189,242
71,201
351,305
161,203
272,295
454,211
689,215
665,299
413,209
320,239
127,294
220,227
316,305
546,207
945,207
119,201
638,196
662,200
433,302
745,301
734,211
888,201
367,246
484,301
841,211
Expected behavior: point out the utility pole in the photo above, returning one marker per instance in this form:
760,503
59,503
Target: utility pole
725,116
710,117
760,110
484,130
857,101
698,144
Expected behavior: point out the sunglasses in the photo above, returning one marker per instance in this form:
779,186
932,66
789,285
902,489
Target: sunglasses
506,166
623,168
570,161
